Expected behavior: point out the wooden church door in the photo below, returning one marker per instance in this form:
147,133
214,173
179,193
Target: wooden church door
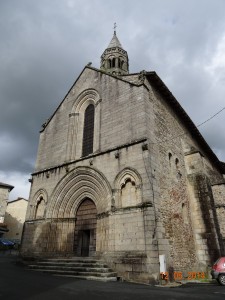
84,242
85,229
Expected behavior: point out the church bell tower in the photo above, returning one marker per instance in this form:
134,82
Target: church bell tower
114,59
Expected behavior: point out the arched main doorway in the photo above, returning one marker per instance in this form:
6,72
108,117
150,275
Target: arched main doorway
85,229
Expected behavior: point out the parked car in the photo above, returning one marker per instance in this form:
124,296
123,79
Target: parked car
6,244
218,270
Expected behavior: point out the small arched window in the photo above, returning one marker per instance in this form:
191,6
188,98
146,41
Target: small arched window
177,164
185,213
88,132
119,63
170,156
109,63
113,62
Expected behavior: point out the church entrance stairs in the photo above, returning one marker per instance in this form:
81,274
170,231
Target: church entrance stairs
77,267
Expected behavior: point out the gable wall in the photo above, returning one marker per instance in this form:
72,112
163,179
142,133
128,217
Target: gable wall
122,118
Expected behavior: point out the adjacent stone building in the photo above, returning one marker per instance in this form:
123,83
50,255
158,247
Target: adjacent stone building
14,218
5,189
123,174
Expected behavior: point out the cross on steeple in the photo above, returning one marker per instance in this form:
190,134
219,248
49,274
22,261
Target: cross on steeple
114,27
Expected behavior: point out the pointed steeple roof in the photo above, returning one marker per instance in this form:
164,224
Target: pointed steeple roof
114,59
115,42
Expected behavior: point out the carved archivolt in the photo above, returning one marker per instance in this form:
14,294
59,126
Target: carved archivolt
89,96
128,188
80,183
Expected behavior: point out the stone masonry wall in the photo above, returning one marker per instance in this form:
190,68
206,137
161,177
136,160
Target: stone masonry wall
177,232
4,195
219,196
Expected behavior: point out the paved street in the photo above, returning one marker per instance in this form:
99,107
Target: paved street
18,283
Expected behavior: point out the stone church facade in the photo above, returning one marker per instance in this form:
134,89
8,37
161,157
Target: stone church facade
123,174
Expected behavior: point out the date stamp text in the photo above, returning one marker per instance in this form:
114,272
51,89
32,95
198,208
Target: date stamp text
179,275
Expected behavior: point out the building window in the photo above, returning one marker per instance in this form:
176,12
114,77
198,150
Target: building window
178,173
40,208
113,62
185,213
170,165
119,63
88,133
177,164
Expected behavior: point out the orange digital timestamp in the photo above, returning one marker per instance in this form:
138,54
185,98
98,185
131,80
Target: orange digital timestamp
179,275
196,275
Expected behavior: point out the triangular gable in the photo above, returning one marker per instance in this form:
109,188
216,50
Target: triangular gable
86,67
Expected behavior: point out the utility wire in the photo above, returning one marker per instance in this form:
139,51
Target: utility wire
211,117
175,137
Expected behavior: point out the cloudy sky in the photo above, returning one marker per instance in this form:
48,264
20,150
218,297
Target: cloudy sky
45,44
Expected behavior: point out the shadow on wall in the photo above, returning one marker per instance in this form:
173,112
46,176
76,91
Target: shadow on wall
15,227
54,238
207,204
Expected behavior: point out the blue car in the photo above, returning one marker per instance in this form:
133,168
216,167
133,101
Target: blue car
6,242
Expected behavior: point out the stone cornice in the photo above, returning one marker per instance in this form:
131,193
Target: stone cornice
139,141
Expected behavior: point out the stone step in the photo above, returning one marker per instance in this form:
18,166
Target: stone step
75,273
75,264
70,268
103,279
73,259
82,268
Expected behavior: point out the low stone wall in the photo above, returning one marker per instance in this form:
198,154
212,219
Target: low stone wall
132,266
